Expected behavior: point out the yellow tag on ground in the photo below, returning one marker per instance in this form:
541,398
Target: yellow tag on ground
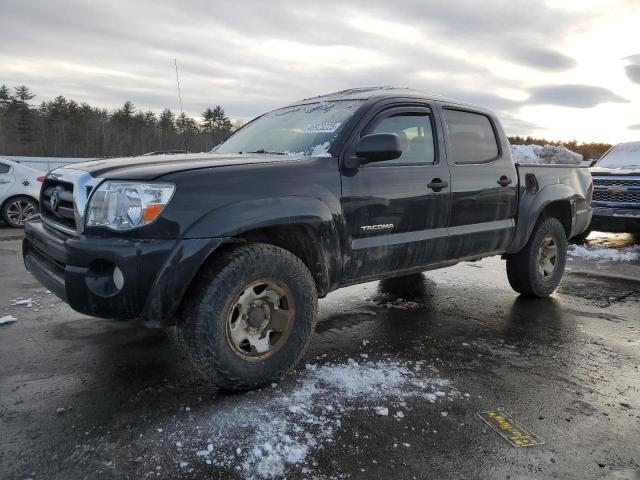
510,429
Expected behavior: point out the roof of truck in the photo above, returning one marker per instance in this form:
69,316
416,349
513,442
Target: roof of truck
365,93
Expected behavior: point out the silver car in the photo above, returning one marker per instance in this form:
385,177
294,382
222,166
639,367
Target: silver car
19,192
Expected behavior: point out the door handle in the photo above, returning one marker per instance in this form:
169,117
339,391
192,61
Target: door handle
5,181
437,184
504,181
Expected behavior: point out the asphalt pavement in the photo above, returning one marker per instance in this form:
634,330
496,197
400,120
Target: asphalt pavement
390,387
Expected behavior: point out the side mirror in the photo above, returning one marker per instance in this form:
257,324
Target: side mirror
379,147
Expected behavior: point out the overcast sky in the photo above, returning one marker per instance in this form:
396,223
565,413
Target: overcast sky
560,69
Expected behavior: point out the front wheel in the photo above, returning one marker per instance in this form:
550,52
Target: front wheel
537,269
248,316
16,211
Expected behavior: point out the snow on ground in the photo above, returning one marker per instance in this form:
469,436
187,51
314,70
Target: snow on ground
22,302
264,437
547,154
7,319
603,253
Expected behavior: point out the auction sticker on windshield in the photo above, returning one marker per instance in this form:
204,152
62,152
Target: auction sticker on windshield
322,127
510,429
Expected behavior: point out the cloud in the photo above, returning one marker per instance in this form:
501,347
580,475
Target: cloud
253,56
514,126
541,58
575,96
634,127
633,58
633,72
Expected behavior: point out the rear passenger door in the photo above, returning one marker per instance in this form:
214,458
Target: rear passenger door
483,184
396,211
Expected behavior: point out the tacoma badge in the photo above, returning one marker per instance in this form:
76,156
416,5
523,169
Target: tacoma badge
382,226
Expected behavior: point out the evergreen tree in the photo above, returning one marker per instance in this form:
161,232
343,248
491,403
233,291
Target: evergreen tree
187,128
167,128
5,100
5,97
24,124
216,124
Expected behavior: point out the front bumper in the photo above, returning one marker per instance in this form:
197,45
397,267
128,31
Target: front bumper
79,270
623,220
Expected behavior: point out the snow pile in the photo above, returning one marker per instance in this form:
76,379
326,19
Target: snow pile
7,319
548,154
622,155
262,437
602,253
20,302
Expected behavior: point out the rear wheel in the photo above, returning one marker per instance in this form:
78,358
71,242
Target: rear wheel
16,211
537,269
248,316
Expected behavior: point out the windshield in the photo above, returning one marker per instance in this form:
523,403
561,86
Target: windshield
299,130
623,155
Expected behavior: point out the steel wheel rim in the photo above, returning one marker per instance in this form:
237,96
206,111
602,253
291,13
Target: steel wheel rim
19,210
547,257
260,319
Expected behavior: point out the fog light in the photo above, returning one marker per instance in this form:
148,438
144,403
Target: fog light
118,278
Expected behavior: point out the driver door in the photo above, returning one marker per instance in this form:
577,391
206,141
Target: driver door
397,211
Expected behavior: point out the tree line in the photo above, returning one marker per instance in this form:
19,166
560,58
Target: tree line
65,128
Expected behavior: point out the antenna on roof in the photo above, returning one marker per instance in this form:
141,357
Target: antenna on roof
184,129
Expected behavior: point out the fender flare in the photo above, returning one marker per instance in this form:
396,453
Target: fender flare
531,207
322,224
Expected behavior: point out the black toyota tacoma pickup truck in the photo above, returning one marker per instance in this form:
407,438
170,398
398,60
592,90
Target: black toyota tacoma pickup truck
235,246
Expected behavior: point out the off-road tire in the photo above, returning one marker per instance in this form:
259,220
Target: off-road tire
201,328
522,267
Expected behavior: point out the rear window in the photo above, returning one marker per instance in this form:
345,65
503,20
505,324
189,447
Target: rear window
4,168
471,137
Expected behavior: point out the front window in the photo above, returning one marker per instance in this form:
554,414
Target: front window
299,130
416,136
623,155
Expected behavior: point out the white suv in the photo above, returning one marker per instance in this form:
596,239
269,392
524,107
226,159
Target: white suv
19,192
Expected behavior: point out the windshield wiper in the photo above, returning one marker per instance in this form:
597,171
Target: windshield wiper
263,151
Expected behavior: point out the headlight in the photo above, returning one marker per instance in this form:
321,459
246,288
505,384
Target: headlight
126,205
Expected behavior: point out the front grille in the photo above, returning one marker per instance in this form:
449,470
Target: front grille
606,192
56,203
607,182
622,197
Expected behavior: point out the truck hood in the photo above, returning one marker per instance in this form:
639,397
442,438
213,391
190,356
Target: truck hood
155,166
604,171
